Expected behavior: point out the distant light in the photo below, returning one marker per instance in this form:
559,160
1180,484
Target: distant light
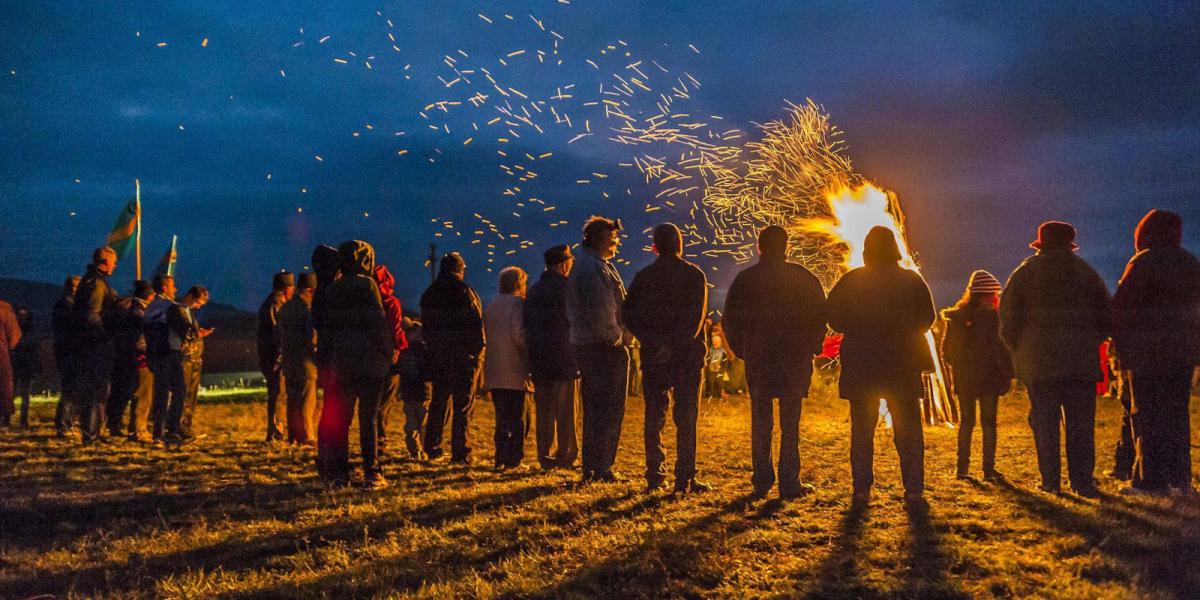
299,209
72,213
366,215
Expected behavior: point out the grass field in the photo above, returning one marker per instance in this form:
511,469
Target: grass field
234,517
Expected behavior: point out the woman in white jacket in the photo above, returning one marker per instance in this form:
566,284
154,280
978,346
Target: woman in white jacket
506,369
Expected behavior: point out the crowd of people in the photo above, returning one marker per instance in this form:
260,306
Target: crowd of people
563,343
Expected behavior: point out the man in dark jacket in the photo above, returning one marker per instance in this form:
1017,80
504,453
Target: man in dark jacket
775,322
1157,332
170,328
665,309
133,384
552,363
1054,313
884,310
452,318
63,328
297,348
283,284
95,304
326,265
25,363
363,351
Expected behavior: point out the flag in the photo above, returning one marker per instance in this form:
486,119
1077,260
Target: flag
166,266
124,234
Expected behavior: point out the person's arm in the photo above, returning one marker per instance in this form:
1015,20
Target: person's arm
474,322
835,304
13,328
631,307
516,326
924,313
731,321
1012,309
698,306
817,317
1130,295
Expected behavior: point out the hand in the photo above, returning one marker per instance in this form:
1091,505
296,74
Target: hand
206,331
395,356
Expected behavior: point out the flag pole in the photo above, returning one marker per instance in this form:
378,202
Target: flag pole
138,240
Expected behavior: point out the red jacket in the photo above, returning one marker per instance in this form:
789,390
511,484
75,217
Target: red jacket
391,305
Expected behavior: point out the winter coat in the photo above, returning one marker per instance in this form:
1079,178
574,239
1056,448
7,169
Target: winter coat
26,363
665,309
980,364
10,335
884,311
325,266
1054,313
594,296
1156,310
266,341
357,325
775,321
297,337
391,305
63,329
547,330
129,333
505,366
95,302
452,320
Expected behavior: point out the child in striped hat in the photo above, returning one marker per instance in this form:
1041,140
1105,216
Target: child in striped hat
980,366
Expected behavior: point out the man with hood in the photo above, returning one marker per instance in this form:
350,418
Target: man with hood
1156,314
775,322
297,348
884,311
1054,314
395,317
283,285
665,309
453,328
363,353
63,329
133,384
95,304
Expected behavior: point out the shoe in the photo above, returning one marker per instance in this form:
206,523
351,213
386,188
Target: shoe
464,461
656,482
1119,474
861,497
800,491
962,476
611,476
992,475
692,486
1089,492
375,483
1045,489
759,492
434,454
915,498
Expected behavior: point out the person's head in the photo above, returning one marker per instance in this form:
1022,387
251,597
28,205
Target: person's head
325,263
1054,235
513,281
24,317
104,259
164,286
452,264
306,285
196,297
880,247
356,257
1158,229
70,284
983,290
559,259
142,290
773,242
284,284
668,240
603,235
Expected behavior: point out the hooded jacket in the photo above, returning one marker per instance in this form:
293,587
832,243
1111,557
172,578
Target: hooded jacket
1054,313
452,321
980,364
355,321
325,265
391,305
1156,308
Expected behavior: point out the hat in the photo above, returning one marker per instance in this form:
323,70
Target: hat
308,281
1054,234
282,280
983,282
557,254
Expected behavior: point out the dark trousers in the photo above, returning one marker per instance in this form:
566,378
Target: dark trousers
64,411
23,388
95,374
301,383
604,372
1073,404
557,408
662,384
762,429
512,426
366,392
1124,452
192,368
453,392
170,393
907,435
120,394
1161,429
416,408
390,393
132,386
966,427
276,401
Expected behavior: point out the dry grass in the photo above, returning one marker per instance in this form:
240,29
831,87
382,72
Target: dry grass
234,517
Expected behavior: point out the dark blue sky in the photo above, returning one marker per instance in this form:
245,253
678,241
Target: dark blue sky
986,121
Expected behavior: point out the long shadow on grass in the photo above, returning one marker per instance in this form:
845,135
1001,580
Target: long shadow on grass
927,562
1157,557
839,574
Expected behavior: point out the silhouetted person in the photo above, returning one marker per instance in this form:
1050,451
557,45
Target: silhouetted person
283,285
95,303
395,317
506,369
415,388
10,336
1054,313
65,357
132,381
552,362
297,351
452,319
1157,329
192,352
326,266
884,310
26,364
980,367
775,322
594,296
665,309
363,351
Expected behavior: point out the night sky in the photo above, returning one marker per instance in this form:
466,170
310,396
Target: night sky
985,121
